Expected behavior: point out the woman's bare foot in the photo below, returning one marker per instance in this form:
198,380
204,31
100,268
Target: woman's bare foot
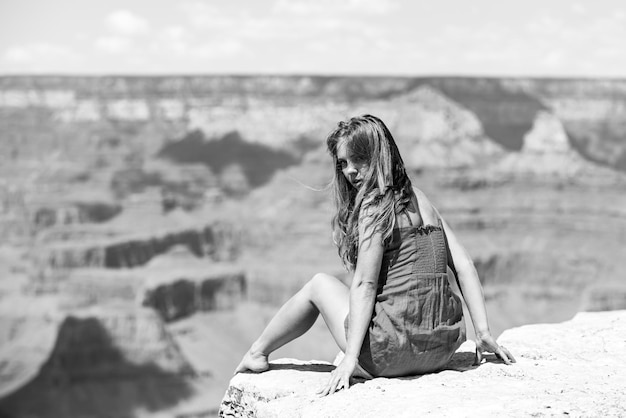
254,362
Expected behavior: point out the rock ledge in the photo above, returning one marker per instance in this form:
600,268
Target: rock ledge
576,368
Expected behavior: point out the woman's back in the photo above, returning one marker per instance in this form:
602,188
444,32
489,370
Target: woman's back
417,321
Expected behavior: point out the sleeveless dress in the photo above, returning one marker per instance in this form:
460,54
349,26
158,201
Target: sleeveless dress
417,322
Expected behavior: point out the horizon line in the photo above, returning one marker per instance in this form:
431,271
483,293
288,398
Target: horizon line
311,75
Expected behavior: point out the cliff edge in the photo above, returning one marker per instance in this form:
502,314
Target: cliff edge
575,368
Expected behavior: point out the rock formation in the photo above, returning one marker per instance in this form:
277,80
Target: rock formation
436,132
547,154
45,343
94,333
594,114
175,284
178,287
278,110
546,151
26,340
575,368
134,250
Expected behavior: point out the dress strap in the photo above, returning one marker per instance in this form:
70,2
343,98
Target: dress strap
406,213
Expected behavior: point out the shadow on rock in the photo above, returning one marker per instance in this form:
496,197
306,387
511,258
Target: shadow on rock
320,368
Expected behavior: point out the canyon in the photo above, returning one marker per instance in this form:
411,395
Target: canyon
197,205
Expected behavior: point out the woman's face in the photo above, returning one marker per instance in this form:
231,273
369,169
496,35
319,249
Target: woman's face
353,169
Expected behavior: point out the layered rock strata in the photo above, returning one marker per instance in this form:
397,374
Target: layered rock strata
277,110
138,249
177,286
174,286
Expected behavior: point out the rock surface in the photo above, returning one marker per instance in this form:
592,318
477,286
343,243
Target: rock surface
576,368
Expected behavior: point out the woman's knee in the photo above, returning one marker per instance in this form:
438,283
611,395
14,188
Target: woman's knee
321,284
322,280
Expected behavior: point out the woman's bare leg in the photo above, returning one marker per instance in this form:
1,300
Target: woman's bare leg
323,294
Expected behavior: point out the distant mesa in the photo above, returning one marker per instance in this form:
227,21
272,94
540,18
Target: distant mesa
547,136
506,108
434,131
547,150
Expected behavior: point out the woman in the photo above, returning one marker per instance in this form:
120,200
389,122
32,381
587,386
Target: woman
399,316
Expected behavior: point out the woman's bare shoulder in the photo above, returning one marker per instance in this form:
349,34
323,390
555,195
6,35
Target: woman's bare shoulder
427,210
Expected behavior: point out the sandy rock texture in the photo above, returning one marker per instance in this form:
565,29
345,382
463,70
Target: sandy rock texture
576,368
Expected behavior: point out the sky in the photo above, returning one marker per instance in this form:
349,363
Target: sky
536,38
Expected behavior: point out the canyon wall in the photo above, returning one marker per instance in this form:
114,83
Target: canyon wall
106,181
275,110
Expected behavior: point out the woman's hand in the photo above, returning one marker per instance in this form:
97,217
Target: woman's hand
487,343
340,377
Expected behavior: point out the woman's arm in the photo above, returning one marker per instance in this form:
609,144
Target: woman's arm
472,292
469,283
470,287
362,298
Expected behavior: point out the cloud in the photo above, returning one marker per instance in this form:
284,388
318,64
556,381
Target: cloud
124,22
217,49
113,44
206,16
124,27
578,8
331,7
290,30
610,52
18,54
546,26
36,52
176,39
175,33
185,44
553,59
490,44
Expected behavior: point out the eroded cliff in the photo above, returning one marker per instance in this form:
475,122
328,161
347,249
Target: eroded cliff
148,111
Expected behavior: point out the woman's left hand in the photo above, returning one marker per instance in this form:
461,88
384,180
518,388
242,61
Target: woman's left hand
488,343
340,377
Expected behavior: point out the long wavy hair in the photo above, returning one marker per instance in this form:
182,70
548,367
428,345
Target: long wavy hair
386,188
